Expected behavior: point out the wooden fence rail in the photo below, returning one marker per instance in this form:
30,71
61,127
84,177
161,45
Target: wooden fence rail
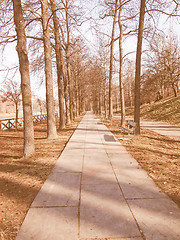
10,123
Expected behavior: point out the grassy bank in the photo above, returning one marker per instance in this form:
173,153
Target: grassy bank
166,110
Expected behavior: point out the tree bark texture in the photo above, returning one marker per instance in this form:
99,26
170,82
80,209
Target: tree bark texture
68,63
59,63
51,121
138,68
66,96
111,61
25,78
121,85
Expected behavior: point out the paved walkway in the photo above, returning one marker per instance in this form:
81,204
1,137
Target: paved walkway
98,191
162,128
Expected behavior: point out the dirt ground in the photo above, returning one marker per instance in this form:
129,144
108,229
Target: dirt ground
158,155
21,178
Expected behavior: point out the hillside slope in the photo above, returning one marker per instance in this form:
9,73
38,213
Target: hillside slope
166,110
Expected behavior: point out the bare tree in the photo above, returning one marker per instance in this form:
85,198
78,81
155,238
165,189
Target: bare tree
25,78
60,65
162,74
11,91
103,62
121,85
111,59
138,67
51,121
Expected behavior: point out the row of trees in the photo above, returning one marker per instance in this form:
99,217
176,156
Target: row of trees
47,38
128,19
49,25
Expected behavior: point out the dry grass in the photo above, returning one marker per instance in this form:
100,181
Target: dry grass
165,110
21,178
157,154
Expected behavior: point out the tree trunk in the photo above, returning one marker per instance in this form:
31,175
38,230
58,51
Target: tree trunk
69,82
16,123
138,68
66,96
59,63
51,121
68,63
100,106
121,86
174,90
111,62
105,102
25,78
77,96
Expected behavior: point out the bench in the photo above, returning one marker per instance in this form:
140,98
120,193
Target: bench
124,130
131,126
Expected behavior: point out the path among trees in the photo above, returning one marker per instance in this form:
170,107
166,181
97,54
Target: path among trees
98,191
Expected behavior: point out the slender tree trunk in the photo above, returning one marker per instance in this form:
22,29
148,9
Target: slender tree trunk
69,83
66,96
138,68
99,102
111,62
51,121
16,123
25,78
77,96
68,63
59,63
174,90
79,101
121,85
104,97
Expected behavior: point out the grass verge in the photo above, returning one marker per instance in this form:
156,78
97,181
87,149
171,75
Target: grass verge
165,110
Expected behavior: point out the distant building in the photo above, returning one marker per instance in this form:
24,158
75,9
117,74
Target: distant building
38,106
6,106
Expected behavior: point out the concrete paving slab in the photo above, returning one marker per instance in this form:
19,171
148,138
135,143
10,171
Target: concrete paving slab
92,153
97,166
50,224
141,190
69,163
134,181
159,219
67,153
73,167
96,177
123,161
74,152
104,213
61,189
93,158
